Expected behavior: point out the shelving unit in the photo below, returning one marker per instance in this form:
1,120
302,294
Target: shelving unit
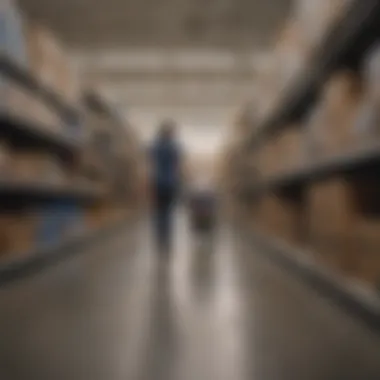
283,203
27,133
22,75
343,46
27,191
343,164
52,196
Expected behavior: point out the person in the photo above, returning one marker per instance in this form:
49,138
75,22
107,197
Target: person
166,181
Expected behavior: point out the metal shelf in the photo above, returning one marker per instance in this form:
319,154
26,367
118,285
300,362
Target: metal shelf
360,300
14,268
22,75
341,164
27,133
343,46
23,192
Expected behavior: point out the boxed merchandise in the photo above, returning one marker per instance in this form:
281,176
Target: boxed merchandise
330,129
268,158
49,62
98,215
366,251
291,155
316,17
17,234
291,52
283,218
12,42
37,167
14,99
331,208
23,104
332,221
59,221
268,87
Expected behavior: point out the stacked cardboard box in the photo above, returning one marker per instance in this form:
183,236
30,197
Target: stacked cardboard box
331,129
291,148
35,166
17,234
24,105
332,219
292,53
49,61
282,217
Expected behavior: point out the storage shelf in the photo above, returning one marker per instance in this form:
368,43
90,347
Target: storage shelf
33,191
343,46
22,75
25,132
341,164
17,268
355,297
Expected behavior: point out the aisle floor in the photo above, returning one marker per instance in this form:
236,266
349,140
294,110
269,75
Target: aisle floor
216,310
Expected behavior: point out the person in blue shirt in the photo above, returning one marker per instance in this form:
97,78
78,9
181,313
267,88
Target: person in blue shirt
166,181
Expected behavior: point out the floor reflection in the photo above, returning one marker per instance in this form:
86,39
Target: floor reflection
213,310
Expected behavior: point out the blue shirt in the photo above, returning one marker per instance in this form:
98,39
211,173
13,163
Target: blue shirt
165,155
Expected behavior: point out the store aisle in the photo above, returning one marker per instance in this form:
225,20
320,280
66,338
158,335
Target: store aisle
215,311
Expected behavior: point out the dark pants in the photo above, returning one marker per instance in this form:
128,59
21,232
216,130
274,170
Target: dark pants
163,215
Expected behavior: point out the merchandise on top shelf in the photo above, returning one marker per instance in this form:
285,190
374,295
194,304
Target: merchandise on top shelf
330,129
12,42
24,105
316,17
50,63
291,52
267,87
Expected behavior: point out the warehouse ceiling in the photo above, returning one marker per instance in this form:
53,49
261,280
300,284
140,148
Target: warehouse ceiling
121,23
194,60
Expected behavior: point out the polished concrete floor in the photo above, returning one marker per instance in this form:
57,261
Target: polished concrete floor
214,310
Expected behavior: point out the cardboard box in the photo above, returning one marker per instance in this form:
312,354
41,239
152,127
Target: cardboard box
269,157
331,208
50,63
282,218
17,234
37,167
23,104
292,53
291,143
331,129
14,99
332,217
367,253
